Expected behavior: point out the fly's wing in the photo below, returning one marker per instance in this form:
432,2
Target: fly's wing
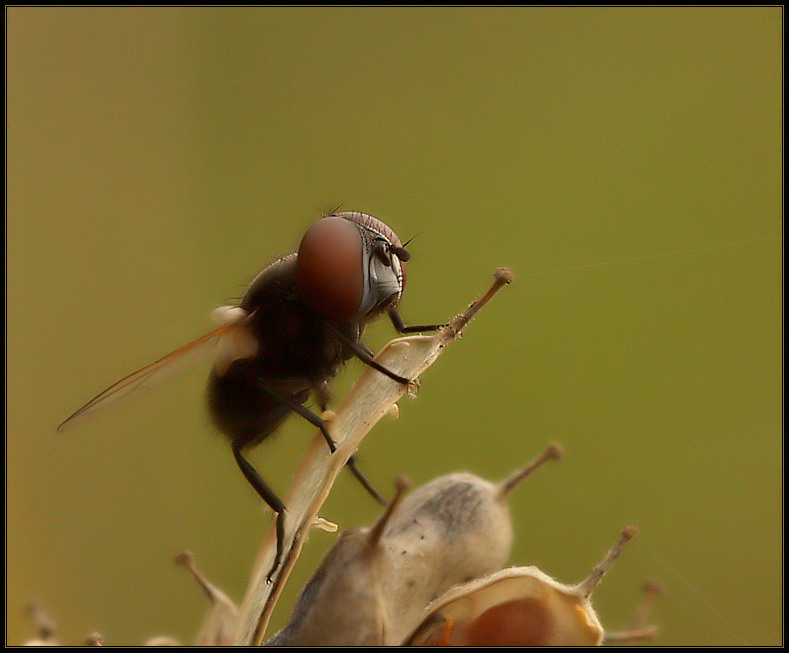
234,341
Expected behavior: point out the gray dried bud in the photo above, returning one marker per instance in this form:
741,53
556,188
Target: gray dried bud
372,587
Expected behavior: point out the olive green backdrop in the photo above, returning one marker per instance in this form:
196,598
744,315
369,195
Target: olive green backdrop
625,163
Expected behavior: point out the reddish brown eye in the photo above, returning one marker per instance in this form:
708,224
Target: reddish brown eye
329,273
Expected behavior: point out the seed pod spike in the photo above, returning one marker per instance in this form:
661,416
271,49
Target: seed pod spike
639,630
552,452
590,583
218,624
186,560
374,537
501,277
651,590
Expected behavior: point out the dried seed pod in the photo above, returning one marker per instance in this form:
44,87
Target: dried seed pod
373,585
45,627
520,606
94,639
162,640
342,603
220,620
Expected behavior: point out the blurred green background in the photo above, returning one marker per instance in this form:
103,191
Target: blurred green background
625,163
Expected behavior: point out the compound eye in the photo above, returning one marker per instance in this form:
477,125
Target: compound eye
329,268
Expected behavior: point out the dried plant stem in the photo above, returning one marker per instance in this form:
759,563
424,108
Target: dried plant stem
371,397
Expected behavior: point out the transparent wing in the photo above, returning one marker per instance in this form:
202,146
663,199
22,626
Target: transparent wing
153,374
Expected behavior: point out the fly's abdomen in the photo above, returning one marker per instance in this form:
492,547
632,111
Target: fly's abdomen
243,409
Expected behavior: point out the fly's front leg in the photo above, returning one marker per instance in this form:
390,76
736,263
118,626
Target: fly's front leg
401,327
363,353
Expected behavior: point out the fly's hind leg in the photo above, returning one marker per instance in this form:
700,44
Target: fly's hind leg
351,464
268,495
297,407
323,395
